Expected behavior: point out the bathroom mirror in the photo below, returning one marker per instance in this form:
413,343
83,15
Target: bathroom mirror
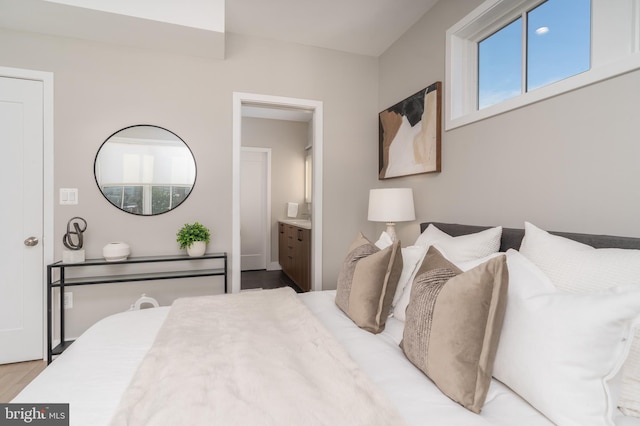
145,170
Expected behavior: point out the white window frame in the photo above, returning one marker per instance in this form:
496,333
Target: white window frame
615,50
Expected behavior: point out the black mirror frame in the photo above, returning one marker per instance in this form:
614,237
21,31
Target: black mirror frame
95,161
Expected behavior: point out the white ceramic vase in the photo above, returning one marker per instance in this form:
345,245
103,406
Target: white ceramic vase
117,251
197,248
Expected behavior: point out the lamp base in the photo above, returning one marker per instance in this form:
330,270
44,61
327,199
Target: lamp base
391,230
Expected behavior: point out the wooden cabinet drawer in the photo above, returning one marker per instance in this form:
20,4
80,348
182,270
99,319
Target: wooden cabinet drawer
294,250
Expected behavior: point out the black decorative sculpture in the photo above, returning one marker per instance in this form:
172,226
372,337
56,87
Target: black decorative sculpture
68,238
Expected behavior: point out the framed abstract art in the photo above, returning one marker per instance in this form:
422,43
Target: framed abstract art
410,135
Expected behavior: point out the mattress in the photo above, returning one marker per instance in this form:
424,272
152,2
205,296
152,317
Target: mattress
93,373
95,370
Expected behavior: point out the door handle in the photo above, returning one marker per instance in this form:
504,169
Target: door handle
31,241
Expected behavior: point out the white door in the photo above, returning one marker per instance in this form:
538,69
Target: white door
254,216
21,218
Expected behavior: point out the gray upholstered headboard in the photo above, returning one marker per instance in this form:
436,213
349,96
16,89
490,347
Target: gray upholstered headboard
511,237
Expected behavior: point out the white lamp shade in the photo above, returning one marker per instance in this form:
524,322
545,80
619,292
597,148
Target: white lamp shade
391,205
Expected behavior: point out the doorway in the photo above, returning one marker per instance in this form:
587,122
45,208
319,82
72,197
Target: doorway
255,208
241,100
26,129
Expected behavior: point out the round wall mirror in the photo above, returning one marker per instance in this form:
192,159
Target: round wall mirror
145,170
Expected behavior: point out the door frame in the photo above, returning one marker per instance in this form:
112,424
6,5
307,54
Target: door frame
267,190
316,107
47,185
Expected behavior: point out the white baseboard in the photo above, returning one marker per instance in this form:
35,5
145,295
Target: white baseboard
274,266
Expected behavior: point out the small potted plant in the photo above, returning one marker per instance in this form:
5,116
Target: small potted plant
194,237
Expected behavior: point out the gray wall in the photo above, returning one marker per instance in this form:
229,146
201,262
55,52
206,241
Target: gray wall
287,140
100,88
568,163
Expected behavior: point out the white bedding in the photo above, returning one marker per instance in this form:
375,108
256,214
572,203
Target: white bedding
261,358
94,372
418,399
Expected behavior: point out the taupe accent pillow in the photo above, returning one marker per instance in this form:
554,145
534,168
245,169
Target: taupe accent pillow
367,283
453,325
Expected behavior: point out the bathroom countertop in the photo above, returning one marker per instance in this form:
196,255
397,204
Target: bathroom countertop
302,223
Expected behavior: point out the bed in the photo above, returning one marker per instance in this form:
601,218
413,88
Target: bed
99,368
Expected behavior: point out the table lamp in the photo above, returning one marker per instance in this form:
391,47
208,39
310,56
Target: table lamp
391,205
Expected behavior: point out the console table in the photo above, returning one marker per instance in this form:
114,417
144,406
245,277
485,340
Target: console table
63,281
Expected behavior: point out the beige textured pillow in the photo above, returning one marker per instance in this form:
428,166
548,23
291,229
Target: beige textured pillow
453,325
367,283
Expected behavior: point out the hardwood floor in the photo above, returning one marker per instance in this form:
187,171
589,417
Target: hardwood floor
14,377
266,280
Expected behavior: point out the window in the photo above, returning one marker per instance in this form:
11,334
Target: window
128,198
164,198
500,65
558,41
553,40
510,53
146,199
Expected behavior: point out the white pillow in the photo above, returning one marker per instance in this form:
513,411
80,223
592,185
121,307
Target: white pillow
400,306
464,247
580,268
384,241
472,248
470,264
411,260
560,350
577,267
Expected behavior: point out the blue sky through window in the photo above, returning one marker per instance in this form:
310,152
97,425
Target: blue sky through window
500,65
558,46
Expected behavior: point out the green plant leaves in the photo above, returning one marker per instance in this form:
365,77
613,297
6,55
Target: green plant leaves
192,232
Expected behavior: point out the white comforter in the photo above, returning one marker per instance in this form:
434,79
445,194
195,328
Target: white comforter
94,372
254,358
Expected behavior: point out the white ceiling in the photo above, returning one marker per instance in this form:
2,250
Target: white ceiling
203,14
65,18
366,27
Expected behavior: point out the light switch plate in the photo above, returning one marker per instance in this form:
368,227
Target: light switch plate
68,196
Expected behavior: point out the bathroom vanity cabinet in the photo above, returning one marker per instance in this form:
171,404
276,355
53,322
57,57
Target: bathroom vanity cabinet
294,249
